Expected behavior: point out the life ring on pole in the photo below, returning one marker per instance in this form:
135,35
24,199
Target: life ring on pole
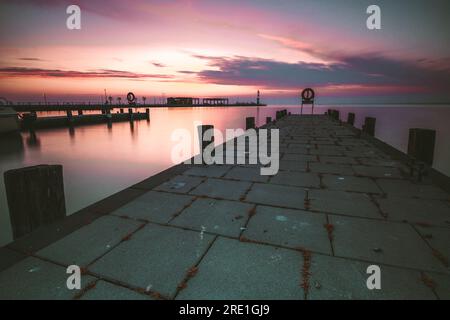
308,95
131,98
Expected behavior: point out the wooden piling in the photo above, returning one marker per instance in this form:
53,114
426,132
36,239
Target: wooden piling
35,197
249,123
147,113
421,144
351,118
369,126
69,117
130,112
335,114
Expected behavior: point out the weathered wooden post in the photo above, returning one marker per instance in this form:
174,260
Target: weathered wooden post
147,113
206,137
130,113
351,118
278,115
421,144
369,126
69,117
268,120
249,123
335,114
35,197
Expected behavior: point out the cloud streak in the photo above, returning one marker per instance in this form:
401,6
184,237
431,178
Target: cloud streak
56,73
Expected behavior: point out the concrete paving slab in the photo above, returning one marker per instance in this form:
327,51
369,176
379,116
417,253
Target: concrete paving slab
406,188
439,239
299,179
331,168
155,206
366,154
247,174
338,160
298,157
422,211
289,228
90,242
335,278
221,188
276,195
396,244
243,271
180,184
35,279
291,165
214,171
155,257
346,203
107,291
216,216
350,183
377,172
441,285
297,149
322,152
380,162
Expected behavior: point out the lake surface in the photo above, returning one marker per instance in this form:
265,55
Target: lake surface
99,161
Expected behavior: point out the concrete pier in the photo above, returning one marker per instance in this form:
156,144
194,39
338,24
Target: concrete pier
78,120
338,205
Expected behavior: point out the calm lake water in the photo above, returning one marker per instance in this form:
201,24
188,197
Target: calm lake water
99,161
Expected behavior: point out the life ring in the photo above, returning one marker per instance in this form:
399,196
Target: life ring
308,94
131,97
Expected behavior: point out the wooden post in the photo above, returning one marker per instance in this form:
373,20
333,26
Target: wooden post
421,144
335,114
351,118
130,112
147,113
249,123
201,133
35,197
268,120
369,126
69,117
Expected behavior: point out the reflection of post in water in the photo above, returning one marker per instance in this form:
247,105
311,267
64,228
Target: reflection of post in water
11,143
71,132
33,140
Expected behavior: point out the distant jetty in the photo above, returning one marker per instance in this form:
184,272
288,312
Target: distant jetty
172,102
36,107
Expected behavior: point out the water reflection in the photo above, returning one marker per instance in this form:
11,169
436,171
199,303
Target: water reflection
33,140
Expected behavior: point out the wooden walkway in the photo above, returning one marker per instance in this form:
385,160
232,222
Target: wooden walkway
338,205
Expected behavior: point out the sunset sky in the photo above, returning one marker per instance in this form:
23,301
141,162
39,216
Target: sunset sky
226,48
